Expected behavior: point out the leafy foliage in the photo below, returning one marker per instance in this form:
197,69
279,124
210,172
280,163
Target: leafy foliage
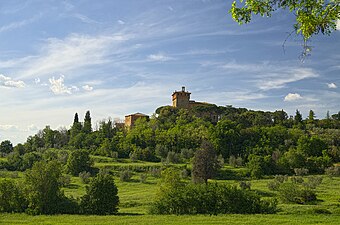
79,161
311,16
101,196
210,199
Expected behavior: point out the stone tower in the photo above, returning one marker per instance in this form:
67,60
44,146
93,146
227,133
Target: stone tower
181,99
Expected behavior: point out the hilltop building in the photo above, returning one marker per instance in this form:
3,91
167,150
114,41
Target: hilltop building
181,99
131,119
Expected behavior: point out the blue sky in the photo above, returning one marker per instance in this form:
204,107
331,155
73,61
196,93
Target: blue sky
117,57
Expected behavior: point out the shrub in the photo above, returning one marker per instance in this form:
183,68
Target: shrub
301,171
11,197
143,177
187,154
297,190
133,156
155,172
210,199
65,180
85,177
333,171
101,196
172,157
125,175
114,155
244,185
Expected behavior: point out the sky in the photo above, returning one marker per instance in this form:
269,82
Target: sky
117,57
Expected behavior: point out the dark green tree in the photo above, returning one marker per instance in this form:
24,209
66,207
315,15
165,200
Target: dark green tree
43,188
6,146
311,116
101,196
87,123
205,163
12,198
79,161
76,126
298,117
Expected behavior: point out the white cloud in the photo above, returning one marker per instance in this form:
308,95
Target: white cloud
9,82
87,87
9,127
278,79
85,19
58,87
121,22
292,97
159,57
73,52
32,127
331,85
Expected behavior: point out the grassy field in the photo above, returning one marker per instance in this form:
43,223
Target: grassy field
135,198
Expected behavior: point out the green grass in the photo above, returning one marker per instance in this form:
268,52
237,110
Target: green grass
136,197
150,219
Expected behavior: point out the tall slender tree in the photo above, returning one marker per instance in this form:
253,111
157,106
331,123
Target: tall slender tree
87,123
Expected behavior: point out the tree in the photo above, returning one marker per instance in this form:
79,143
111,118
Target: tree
311,16
298,117
205,163
43,188
11,197
87,123
101,196
76,126
6,147
311,116
79,161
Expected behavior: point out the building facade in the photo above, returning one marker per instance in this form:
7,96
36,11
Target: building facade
131,119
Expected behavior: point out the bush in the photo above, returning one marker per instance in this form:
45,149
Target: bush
143,177
297,190
235,162
301,171
101,196
125,175
155,172
12,198
85,177
244,185
333,171
172,157
210,199
65,180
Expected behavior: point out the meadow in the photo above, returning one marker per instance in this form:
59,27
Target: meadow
137,194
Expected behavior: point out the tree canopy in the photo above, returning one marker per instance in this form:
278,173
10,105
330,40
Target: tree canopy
312,17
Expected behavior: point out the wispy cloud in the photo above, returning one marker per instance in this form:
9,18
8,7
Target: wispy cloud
18,24
87,87
159,57
291,97
121,22
85,19
9,127
9,82
280,79
332,85
75,51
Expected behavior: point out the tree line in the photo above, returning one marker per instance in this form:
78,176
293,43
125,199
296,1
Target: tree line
266,142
